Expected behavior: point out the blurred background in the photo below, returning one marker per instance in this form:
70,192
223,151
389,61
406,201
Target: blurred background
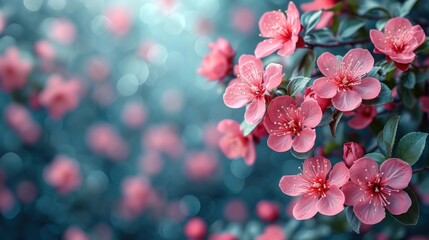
110,133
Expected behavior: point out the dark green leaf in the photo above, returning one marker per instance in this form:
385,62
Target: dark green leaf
407,97
411,146
376,156
247,128
353,221
328,117
297,84
389,134
381,144
370,6
385,96
411,217
375,72
408,80
424,47
348,27
305,155
307,63
310,19
406,7
336,119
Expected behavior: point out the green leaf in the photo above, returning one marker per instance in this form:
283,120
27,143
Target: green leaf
369,6
424,47
348,27
406,7
381,23
248,128
299,155
336,7
407,97
408,80
307,63
327,117
411,146
297,84
389,134
385,96
310,19
411,217
375,72
353,221
336,119
376,156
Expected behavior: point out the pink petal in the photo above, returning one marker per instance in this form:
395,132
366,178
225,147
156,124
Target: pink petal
346,100
280,144
236,95
325,88
332,203
311,113
273,76
396,173
305,207
353,193
277,103
395,26
267,47
399,202
369,88
293,16
424,102
293,185
229,126
316,167
359,121
403,58
255,111
339,175
358,61
363,170
369,213
245,58
227,146
419,34
251,72
378,39
271,22
287,48
328,64
305,141
250,156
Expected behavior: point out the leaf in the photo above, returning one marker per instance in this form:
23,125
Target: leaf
248,128
336,7
370,6
406,7
376,156
353,221
299,155
336,119
387,67
380,23
349,27
411,147
407,97
328,117
307,63
389,134
375,72
297,84
310,19
411,217
385,96
424,47
408,80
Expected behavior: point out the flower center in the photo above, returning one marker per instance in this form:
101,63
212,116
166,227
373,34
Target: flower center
319,187
290,121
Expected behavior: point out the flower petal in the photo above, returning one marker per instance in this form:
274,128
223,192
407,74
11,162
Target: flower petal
396,26
287,48
369,213
346,100
339,175
229,126
305,207
293,185
267,47
379,40
328,64
250,155
363,170
273,76
332,203
316,167
255,111
236,95
396,173
325,87
311,113
369,88
399,202
293,16
277,104
251,70
280,144
271,22
353,193
358,62
305,140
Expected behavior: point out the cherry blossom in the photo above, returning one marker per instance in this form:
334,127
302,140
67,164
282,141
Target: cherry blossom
252,86
326,18
195,228
282,32
267,211
343,80
371,190
319,194
290,125
424,102
398,41
362,116
218,63
234,144
351,152
63,174
272,232
14,70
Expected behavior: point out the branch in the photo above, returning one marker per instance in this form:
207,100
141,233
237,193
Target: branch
421,170
337,43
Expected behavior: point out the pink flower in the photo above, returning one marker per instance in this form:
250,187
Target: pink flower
326,18
14,71
343,82
267,211
235,211
60,96
45,50
195,228
424,102
151,163
163,138
201,165
103,139
233,144
319,194
218,63
98,68
63,31
362,117
370,191
134,114
282,32
223,236
243,19
20,120
351,152
75,233
272,232
26,191
136,195
119,20
290,125
398,41
252,86
63,174
323,102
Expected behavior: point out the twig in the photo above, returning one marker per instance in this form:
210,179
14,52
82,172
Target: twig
336,44
421,170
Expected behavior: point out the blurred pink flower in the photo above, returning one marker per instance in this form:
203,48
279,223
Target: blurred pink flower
201,165
163,138
319,194
282,32
252,87
323,102
63,173
223,236
272,232
233,144
290,125
235,211
218,63
211,135
20,120
267,211
98,68
103,139
195,228
44,50
424,103
26,191
7,200
326,18
362,116
75,233
136,195
151,163
14,71
119,19
351,152
134,114
343,82
243,19
370,191
63,31
398,41
60,96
